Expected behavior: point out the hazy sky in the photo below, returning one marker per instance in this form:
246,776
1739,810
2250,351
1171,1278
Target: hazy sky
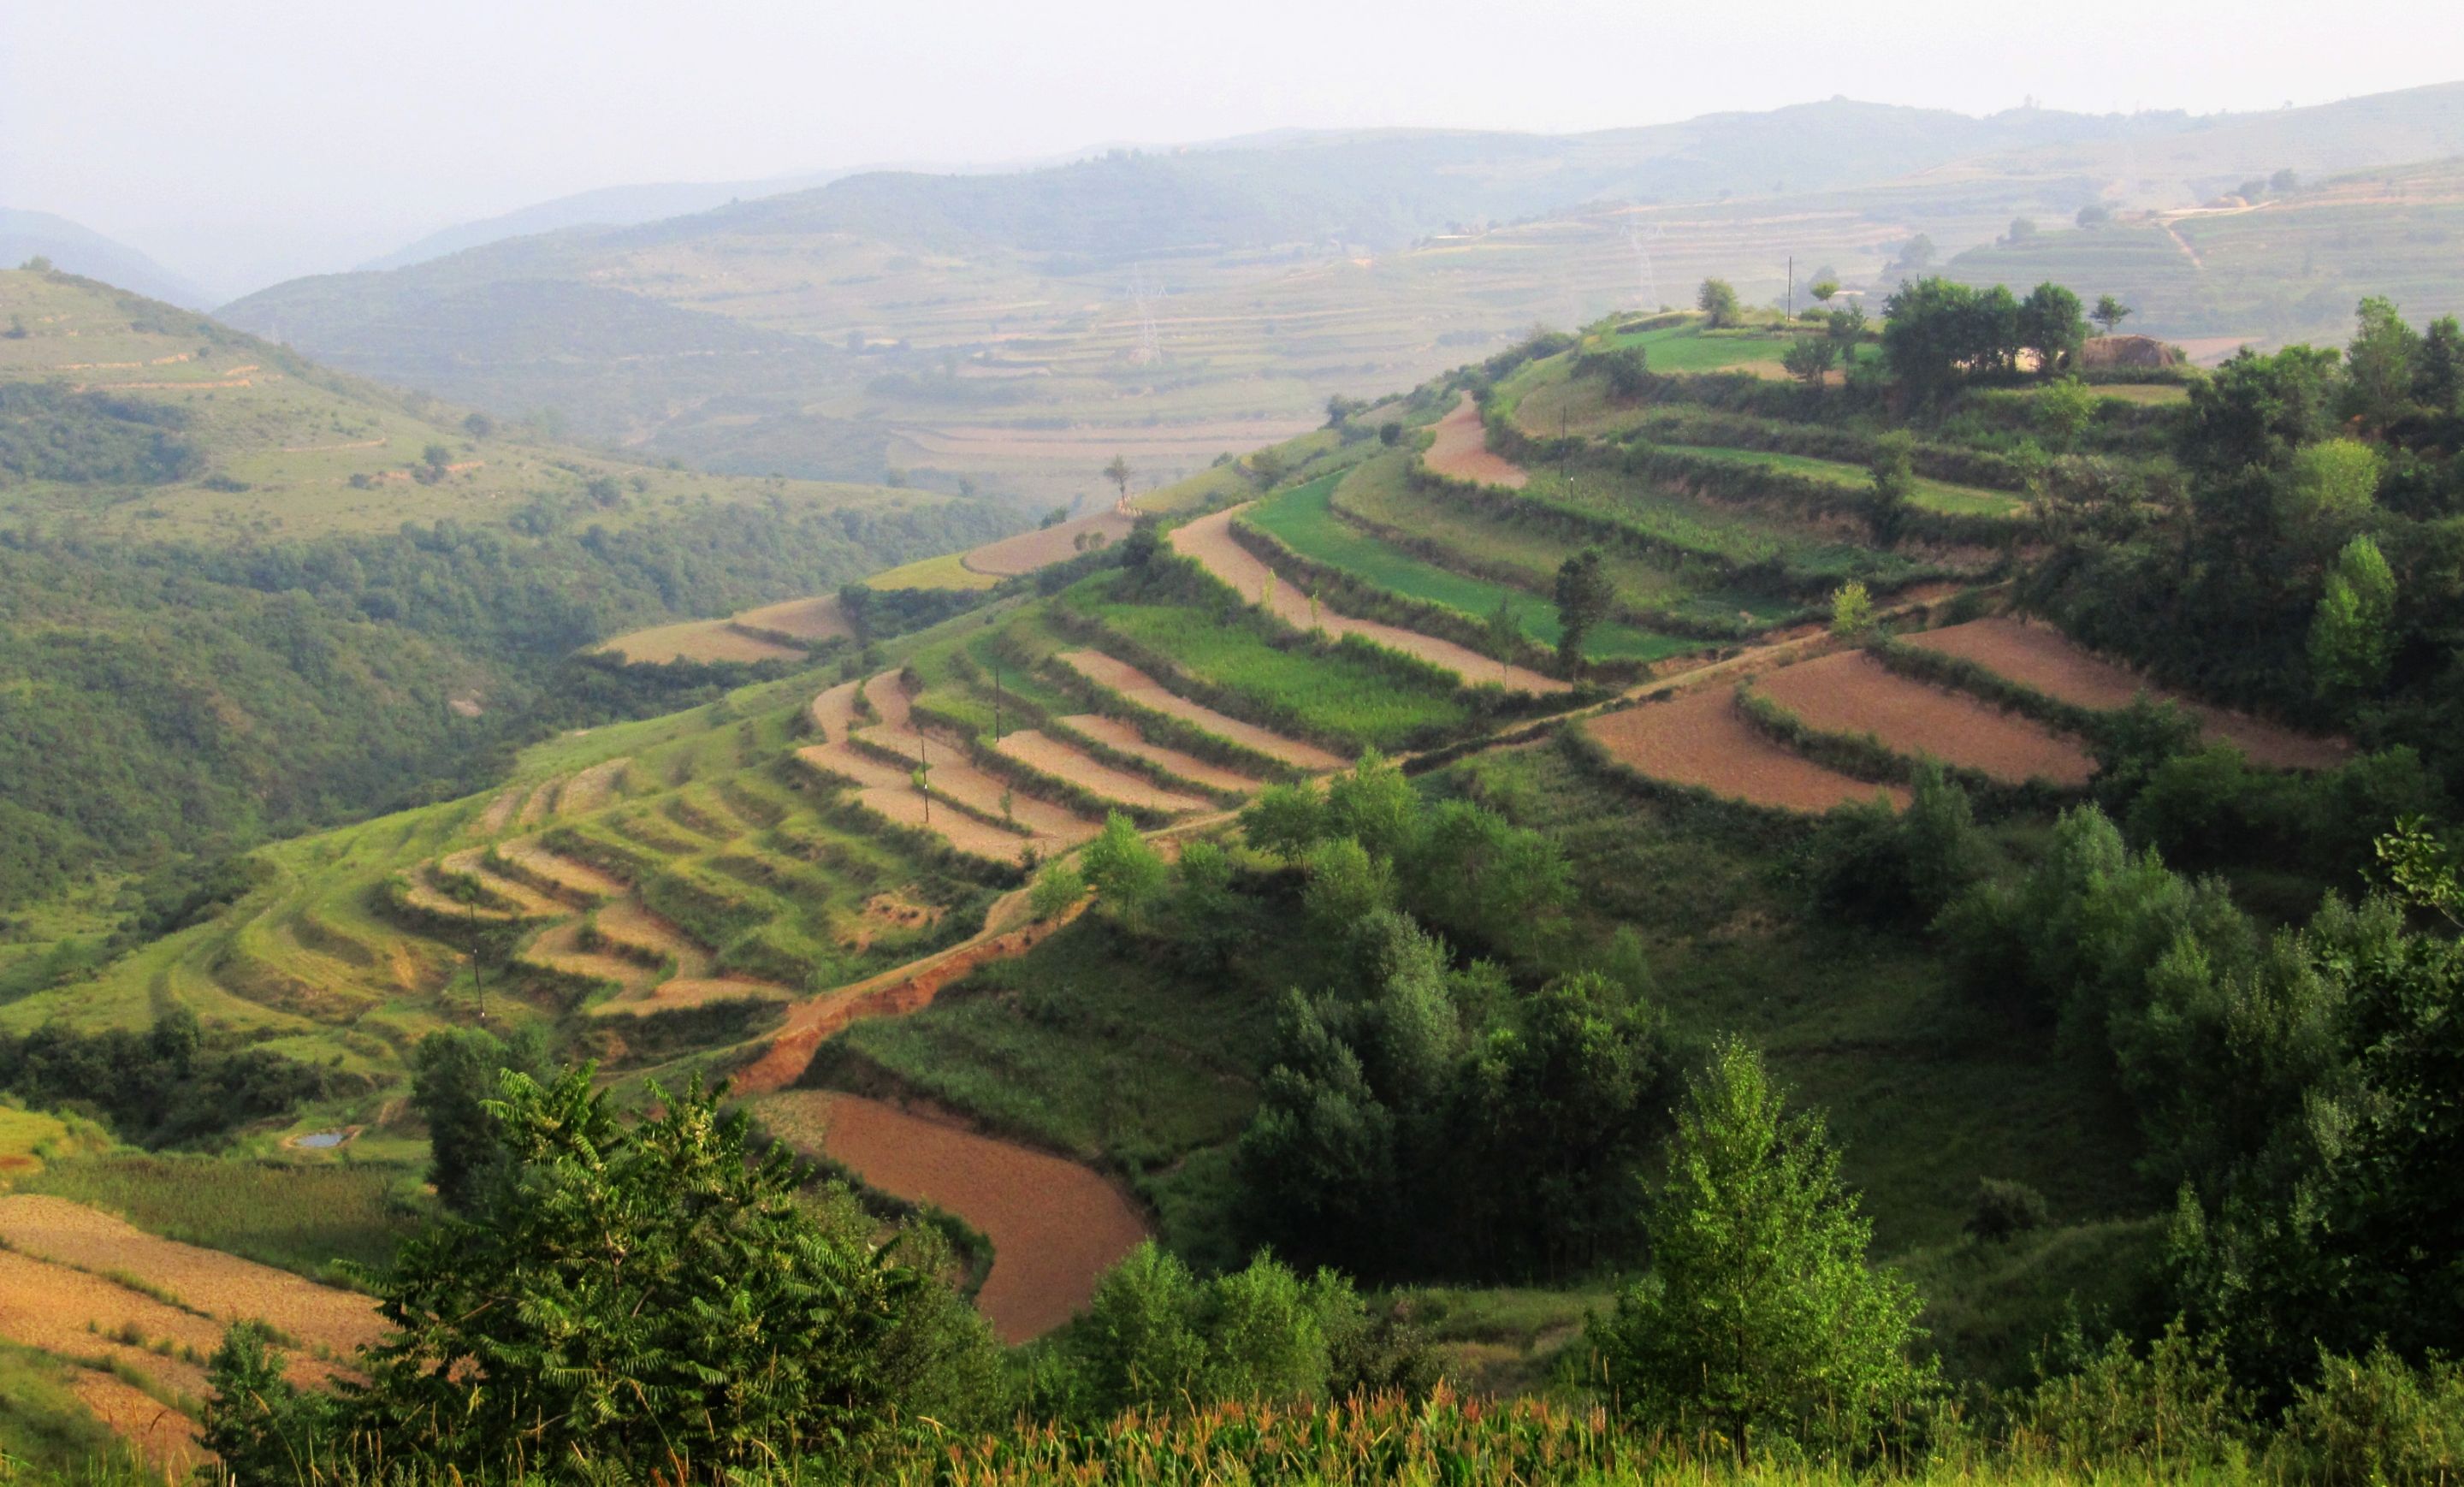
245,141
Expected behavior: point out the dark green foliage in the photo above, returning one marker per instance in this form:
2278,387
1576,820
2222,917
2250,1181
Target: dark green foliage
1886,503
639,1291
2003,1209
1875,864
454,1075
1760,1316
1936,332
2051,326
2172,1404
1584,595
161,1087
47,433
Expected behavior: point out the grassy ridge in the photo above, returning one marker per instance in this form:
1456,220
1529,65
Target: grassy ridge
1938,495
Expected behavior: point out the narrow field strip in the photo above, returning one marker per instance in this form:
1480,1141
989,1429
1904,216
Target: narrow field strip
1029,551
1052,756
1055,1226
1113,734
1698,738
592,788
1048,827
560,949
1209,541
1851,692
525,899
813,618
1304,520
565,872
1145,692
1461,451
2037,655
833,712
1939,496
223,1286
163,1437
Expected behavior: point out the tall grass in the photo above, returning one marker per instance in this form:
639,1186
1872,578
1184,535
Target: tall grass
299,1218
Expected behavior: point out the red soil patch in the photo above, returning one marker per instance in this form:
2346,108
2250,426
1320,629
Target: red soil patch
833,712
1135,686
1209,539
1056,1227
1461,451
1113,734
1698,738
2044,658
223,1285
892,994
1052,756
1852,693
1029,551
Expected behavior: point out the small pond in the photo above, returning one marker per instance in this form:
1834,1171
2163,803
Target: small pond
322,1140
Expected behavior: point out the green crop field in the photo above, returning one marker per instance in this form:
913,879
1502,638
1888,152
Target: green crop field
1695,347
1303,518
299,1216
1334,693
1938,495
1736,538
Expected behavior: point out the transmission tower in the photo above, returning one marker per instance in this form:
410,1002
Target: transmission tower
1646,274
1143,296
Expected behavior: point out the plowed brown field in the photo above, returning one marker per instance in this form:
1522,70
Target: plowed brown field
1113,734
807,619
1209,539
1049,828
833,712
1144,690
1698,738
592,788
1040,752
558,947
696,640
1029,551
162,1436
573,876
1851,692
1461,451
1056,1226
2044,658
225,1286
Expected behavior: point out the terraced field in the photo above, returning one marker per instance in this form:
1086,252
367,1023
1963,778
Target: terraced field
2037,655
1029,551
1853,693
1141,691
1699,739
1458,450
1937,495
1055,1226
1306,520
1209,541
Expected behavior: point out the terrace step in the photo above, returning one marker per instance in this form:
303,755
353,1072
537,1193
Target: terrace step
1700,738
1113,734
1135,687
1851,692
1053,757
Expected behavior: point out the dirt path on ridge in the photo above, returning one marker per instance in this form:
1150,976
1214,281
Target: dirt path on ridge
1461,451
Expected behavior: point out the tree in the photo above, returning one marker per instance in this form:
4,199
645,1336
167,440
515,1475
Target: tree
2352,635
2051,325
1144,543
1809,359
1822,289
1118,472
1718,299
2021,229
478,425
1852,609
2378,365
2065,408
1057,890
1267,467
1390,433
1126,871
1285,819
454,1076
2095,214
1584,595
2439,368
2109,313
2332,484
1894,481
1504,633
1760,1315
643,1293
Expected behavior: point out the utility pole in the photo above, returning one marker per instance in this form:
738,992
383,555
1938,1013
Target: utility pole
1791,287
996,702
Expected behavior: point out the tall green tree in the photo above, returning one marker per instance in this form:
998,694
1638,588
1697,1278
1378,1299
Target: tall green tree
1718,299
1761,1317
2352,635
2109,313
1893,471
1584,595
2051,326
2378,365
1809,359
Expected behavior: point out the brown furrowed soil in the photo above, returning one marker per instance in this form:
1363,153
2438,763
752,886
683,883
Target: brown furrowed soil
163,1437
1144,690
1047,827
848,763
816,619
1698,738
560,948
902,805
695,991
592,788
627,922
525,899
81,1317
1055,1226
1113,734
1051,755
573,876
540,805
833,712
423,893
223,1286
696,640
1851,692
499,813
1029,551
2042,657
1209,539
1461,451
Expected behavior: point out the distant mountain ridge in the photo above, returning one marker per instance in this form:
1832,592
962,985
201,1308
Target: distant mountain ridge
80,249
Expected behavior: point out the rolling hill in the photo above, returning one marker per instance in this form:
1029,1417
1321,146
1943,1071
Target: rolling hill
75,249
1015,330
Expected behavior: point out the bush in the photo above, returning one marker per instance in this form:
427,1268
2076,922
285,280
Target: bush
1058,887
2003,1209
2373,1420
